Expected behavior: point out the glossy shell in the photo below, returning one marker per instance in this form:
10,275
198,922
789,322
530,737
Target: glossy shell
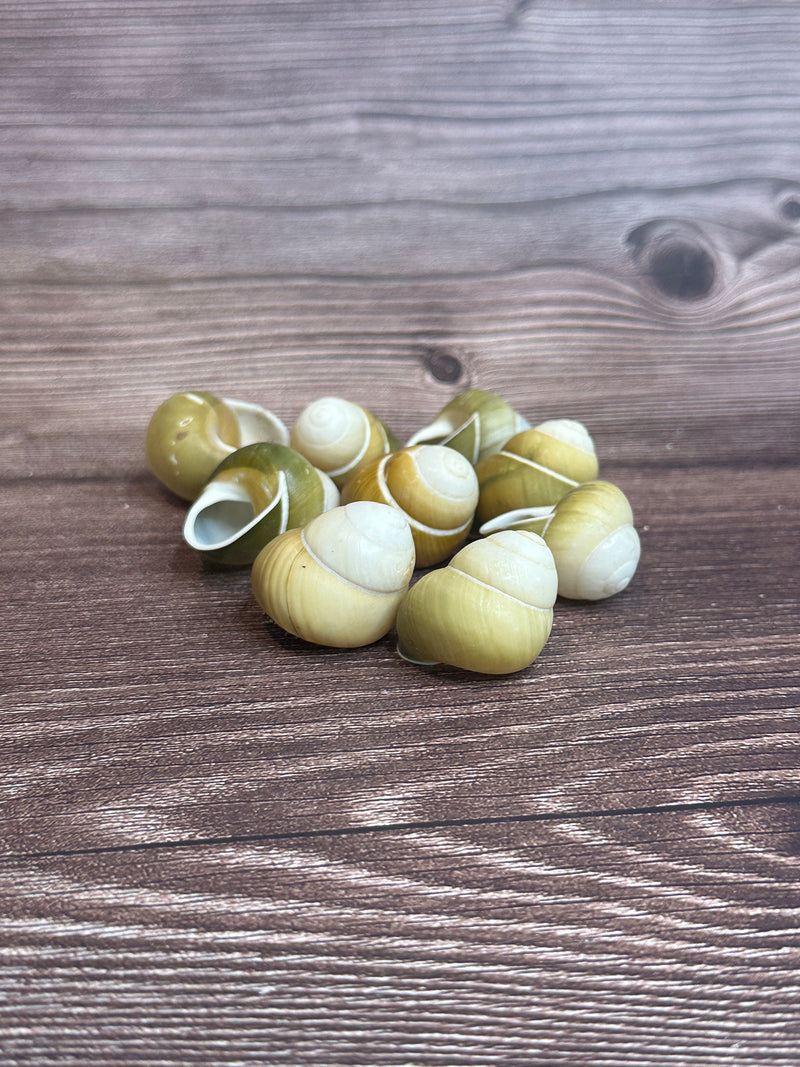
489,610
339,580
190,433
337,435
434,487
535,468
475,423
591,535
256,493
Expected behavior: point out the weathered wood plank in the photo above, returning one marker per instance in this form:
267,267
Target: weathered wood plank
222,846
714,256
660,938
300,103
179,712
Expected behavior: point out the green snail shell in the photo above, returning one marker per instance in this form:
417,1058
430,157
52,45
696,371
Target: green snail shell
433,486
535,467
337,436
475,423
255,494
190,433
489,610
591,534
339,580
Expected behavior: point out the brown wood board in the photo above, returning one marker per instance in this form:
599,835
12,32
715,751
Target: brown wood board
221,845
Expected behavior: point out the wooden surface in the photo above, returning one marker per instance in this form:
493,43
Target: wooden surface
221,846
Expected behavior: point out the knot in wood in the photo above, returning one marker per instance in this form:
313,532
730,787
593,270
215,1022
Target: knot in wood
676,258
442,365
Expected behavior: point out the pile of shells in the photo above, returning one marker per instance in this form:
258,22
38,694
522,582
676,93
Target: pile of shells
334,516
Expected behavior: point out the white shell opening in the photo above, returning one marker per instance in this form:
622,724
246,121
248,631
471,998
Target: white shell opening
224,512
517,520
433,432
256,424
365,543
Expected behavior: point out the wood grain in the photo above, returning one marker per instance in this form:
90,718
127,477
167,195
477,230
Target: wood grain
223,846
620,700
665,938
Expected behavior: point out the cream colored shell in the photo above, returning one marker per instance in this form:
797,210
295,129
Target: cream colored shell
591,534
337,436
489,610
339,580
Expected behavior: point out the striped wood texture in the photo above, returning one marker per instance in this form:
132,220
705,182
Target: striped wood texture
222,846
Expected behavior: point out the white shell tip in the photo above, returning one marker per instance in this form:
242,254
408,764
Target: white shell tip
570,431
367,543
447,472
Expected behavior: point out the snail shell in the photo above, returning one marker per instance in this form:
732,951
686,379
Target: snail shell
191,432
535,467
475,423
591,535
255,494
340,579
337,435
489,610
434,487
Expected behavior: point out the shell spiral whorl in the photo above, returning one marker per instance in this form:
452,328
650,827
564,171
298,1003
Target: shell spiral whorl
339,580
535,467
489,610
434,487
337,436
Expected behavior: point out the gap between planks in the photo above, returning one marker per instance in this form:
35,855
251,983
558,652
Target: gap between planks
400,827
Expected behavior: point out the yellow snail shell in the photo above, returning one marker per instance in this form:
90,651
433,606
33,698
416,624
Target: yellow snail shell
535,467
475,423
255,494
191,432
340,579
433,486
489,610
591,535
337,435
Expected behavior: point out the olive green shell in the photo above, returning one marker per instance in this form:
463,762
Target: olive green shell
475,423
187,436
191,432
254,494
